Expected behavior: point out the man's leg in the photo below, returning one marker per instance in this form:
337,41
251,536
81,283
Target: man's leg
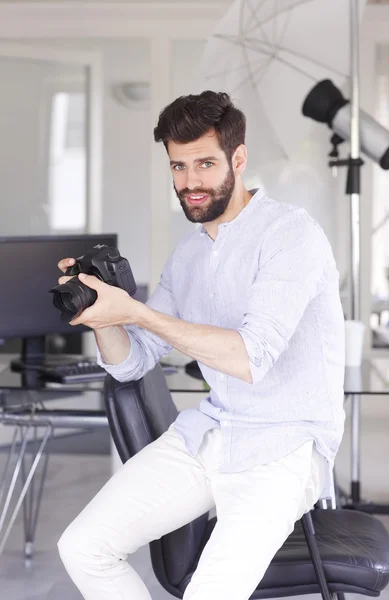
256,512
157,491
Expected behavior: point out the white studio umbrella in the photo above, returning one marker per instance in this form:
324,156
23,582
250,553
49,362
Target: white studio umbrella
268,54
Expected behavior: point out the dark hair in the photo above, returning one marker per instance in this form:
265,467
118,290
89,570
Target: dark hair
189,117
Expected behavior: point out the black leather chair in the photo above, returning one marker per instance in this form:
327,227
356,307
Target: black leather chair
329,552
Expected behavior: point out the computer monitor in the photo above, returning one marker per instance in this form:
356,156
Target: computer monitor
28,270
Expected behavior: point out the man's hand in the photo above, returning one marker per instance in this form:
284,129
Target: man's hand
63,265
112,307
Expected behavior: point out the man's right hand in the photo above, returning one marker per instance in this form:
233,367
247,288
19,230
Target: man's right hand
63,265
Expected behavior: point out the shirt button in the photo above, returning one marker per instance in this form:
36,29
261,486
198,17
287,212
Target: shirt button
215,252
212,294
222,376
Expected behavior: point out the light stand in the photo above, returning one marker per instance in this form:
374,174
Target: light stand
353,189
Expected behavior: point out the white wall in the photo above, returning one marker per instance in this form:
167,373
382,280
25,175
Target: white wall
23,158
127,137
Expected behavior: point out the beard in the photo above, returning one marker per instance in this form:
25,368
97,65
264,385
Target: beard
214,206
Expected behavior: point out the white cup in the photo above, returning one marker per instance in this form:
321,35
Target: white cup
355,333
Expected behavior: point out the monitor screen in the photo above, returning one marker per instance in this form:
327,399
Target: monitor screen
28,269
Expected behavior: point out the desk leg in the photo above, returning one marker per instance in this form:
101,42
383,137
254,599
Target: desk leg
7,465
24,431
355,448
343,498
354,500
31,505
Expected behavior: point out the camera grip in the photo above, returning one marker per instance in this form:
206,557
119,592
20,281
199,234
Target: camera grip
127,282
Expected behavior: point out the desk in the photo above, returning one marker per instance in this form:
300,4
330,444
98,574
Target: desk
372,378
177,379
27,409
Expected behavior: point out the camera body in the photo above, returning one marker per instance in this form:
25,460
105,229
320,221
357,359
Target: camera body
105,263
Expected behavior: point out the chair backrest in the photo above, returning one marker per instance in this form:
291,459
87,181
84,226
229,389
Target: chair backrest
138,413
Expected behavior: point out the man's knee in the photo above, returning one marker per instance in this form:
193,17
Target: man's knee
87,549
80,550
70,545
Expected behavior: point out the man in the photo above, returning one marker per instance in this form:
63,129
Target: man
252,294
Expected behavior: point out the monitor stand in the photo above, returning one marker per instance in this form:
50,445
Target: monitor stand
32,355
33,360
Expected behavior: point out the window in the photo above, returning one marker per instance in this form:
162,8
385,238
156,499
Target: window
67,164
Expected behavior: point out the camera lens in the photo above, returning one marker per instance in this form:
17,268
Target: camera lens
72,298
66,299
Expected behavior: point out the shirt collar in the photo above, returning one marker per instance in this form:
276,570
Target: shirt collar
258,193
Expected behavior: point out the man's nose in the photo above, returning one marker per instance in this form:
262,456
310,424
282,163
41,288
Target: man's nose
193,180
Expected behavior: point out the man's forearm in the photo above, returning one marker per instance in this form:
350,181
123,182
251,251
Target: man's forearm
220,349
114,344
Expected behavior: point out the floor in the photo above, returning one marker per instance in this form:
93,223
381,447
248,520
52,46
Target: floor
74,479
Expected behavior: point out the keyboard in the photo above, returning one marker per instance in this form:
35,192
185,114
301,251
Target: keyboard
77,372
87,370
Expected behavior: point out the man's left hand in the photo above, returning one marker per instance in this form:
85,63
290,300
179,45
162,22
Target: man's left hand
112,307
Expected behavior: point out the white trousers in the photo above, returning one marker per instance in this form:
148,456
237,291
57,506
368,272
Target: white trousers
162,488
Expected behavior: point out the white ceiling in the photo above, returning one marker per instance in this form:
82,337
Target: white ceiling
117,1
145,1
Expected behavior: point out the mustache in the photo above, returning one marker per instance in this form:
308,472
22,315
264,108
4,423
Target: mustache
187,192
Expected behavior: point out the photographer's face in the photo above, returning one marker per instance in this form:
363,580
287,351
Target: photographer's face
203,178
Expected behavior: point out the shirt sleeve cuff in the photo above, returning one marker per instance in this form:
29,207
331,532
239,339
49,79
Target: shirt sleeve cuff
126,370
256,356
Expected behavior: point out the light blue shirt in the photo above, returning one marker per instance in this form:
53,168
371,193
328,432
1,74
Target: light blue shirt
270,275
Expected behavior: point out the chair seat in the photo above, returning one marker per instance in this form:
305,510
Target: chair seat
354,548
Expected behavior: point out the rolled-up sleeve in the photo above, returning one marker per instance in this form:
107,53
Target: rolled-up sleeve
293,259
146,347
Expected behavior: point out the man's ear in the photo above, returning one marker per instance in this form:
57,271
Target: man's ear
239,159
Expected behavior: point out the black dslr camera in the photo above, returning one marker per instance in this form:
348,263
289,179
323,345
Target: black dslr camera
105,263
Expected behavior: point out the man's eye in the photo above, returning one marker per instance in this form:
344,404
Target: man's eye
207,164
178,167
